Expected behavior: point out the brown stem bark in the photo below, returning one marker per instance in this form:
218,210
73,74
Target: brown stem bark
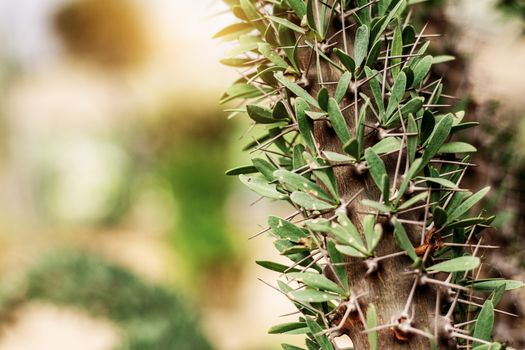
388,288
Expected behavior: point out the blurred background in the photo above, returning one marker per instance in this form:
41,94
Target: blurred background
118,227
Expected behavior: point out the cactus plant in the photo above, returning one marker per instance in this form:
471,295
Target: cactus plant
361,142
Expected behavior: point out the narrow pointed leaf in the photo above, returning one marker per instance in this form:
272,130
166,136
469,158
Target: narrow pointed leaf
245,169
421,69
286,328
403,241
317,281
273,266
296,182
261,187
463,263
338,121
287,24
297,90
342,86
304,123
285,229
322,340
457,147
437,139
375,166
311,296
309,202
484,323
468,204
362,37
397,93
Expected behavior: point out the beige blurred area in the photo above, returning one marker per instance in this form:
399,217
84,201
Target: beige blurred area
102,104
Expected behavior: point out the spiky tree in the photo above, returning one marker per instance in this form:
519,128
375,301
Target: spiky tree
356,137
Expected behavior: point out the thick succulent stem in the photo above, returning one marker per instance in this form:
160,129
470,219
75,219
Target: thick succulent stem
358,142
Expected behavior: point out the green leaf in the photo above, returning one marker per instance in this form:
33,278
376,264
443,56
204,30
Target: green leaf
397,93
394,13
375,166
317,281
253,15
285,328
439,216
273,266
469,222
279,111
338,121
310,15
383,6
337,261
373,54
288,346
285,229
311,296
260,114
396,50
346,60
304,123
491,284
484,323
260,186
442,59
265,168
233,29
373,232
463,263
413,140
457,147
362,36
347,232
342,86
413,106
308,202
322,340
388,144
287,24
376,205
269,52
352,148
468,204
322,98
376,88
298,6
245,169
296,89
402,240
371,322
412,171
440,181
338,157
296,182
350,251
436,139
421,69
413,200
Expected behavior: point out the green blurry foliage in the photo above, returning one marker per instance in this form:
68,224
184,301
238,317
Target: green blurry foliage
514,8
150,316
188,149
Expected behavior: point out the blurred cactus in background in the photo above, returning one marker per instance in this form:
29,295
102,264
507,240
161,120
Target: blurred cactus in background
149,316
